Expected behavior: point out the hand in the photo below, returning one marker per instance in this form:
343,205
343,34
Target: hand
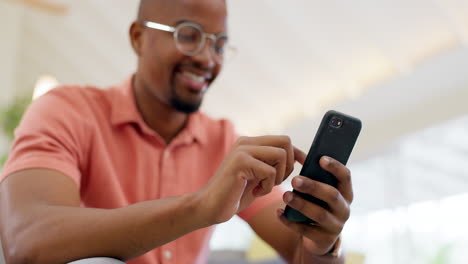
319,238
251,169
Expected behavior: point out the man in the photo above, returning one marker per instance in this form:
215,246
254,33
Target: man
135,173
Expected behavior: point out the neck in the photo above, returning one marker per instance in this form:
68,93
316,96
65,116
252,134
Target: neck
159,116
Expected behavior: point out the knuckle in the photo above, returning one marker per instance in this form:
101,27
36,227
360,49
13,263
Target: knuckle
286,140
282,153
340,228
348,172
243,140
271,173
335,196
242,174
347,213
241,157
240,148
347,175
298,203
251,173
270,185
322,216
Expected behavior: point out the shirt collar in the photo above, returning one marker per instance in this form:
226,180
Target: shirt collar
125,112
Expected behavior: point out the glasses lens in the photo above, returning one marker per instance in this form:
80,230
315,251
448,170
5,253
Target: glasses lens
189,39
220,45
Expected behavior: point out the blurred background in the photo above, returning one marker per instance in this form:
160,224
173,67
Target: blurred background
399,65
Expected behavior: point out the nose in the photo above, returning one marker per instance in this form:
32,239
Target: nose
205,58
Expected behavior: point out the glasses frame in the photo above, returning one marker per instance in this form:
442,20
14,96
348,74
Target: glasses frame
175,30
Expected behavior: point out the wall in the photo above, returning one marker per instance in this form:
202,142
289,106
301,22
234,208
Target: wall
10,26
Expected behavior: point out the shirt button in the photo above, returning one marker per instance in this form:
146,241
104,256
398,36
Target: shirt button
167,254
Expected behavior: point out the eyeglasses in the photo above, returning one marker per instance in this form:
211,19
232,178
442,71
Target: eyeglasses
190,38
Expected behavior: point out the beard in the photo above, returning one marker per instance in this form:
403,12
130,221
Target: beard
182,105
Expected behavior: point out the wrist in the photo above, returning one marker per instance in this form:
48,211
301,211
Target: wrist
198,207
336,250
333,256
214,210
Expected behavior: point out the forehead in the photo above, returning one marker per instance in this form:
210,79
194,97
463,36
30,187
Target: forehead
210,14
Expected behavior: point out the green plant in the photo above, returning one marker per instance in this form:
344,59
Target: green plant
10,118
442,255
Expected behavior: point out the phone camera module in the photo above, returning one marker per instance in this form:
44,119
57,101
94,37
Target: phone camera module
336,122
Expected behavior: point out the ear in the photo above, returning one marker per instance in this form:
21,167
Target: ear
136,37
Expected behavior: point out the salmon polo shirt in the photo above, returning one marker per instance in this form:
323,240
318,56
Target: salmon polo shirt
99,139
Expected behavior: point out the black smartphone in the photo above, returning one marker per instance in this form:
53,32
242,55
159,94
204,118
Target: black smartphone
335,138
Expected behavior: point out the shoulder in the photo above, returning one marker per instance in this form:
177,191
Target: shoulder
72,102
77,98
63,107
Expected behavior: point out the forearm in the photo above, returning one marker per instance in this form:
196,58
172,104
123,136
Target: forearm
57,234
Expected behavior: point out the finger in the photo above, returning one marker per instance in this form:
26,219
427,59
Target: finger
323,217
283,142
327,193
299,156
342,174
273,156
262,174
321,238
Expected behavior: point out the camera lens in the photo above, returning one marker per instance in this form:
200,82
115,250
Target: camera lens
336,122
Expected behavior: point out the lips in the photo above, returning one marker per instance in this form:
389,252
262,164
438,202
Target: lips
195,82
194,77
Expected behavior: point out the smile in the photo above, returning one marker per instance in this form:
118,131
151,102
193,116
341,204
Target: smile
194,77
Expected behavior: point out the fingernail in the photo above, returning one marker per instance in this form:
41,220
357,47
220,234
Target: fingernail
288,197
298,182
327,160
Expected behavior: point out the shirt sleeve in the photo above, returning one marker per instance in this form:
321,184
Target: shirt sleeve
260,203
51,135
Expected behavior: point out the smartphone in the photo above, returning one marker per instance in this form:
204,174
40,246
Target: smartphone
335,138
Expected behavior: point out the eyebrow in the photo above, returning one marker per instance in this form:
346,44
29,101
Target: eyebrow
178,22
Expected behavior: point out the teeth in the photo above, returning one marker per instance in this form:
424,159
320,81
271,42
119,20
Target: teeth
194,77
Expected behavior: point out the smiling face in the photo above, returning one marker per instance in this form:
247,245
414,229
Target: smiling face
166,74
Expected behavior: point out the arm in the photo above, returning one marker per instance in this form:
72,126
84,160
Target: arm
41,221
284,240
299,243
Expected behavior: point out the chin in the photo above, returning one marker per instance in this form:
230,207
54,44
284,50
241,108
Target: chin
184,106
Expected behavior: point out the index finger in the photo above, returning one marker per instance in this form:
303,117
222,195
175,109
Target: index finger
299,155
283,142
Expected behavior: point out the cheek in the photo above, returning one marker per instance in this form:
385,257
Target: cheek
160,59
